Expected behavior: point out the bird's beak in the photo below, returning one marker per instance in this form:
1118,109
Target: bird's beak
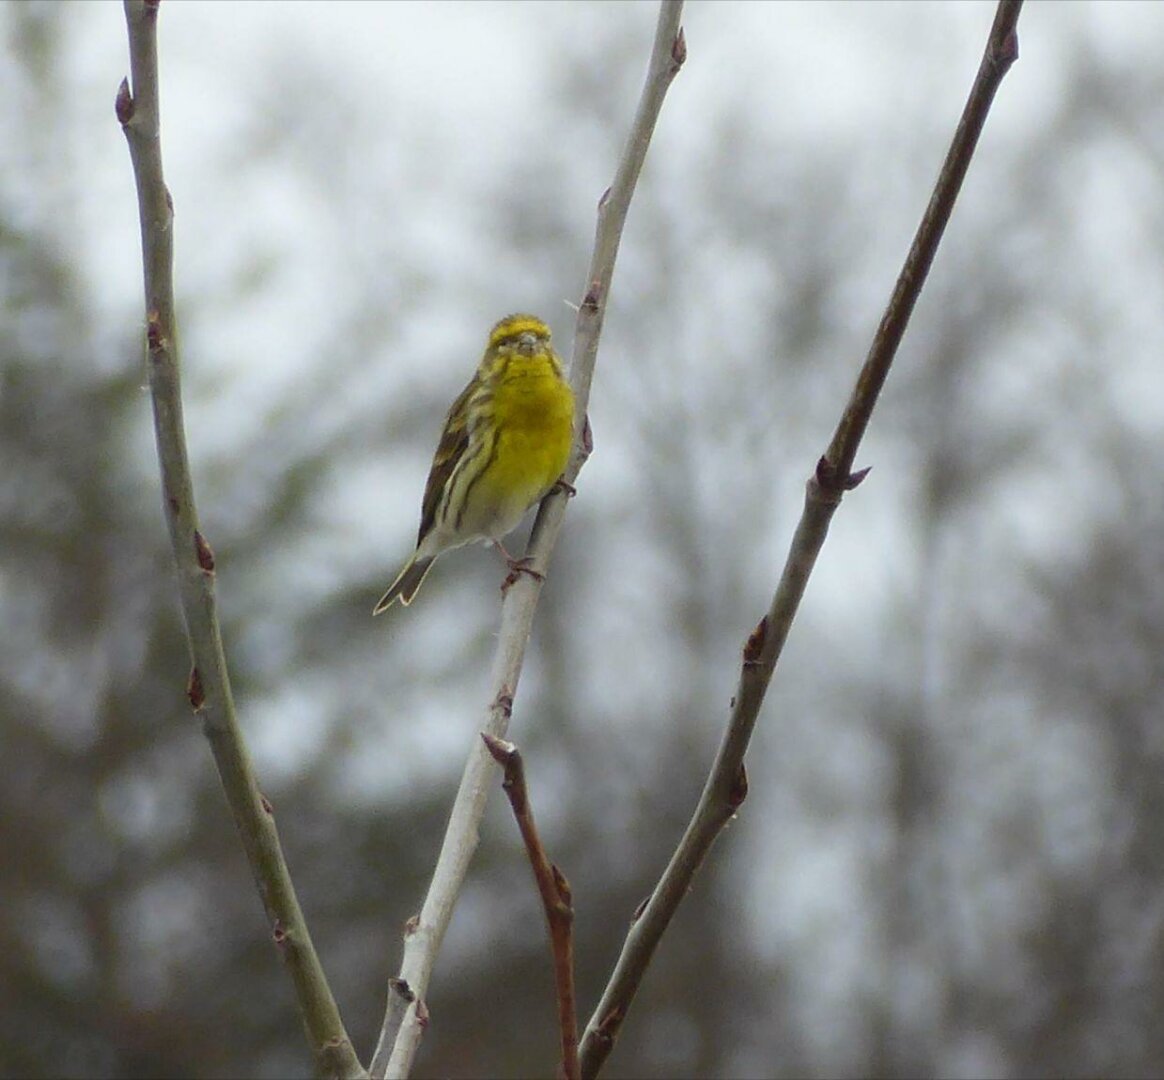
527,341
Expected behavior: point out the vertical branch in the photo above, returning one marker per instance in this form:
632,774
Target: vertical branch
554,890
209,686
727,783
398,1044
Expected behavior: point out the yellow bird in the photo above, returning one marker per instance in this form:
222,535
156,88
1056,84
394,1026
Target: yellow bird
505,443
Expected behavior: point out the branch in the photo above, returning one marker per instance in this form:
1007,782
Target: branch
727,783
209,687
424,935
554,890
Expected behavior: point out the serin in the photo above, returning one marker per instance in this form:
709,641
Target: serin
505,442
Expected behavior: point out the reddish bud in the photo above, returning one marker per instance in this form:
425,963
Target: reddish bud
123,104
204,553
754,646
739,789
194,692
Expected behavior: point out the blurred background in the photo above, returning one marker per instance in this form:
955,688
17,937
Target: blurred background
950,860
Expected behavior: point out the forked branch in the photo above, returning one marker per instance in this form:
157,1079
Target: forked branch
398,1043
726,784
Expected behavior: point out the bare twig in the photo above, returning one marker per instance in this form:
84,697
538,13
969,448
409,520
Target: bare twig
423,941
209,686
726,785
557,899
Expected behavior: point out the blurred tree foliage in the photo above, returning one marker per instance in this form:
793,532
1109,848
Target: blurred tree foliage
949,863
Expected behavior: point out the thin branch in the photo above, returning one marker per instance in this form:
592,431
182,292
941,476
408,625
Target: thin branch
554,889
727,785
209,686
423,939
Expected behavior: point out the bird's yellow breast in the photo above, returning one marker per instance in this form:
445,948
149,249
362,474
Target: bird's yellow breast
533,409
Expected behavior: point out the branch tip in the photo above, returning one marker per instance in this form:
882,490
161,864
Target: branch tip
123,104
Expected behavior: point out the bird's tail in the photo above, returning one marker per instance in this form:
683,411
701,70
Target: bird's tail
406,584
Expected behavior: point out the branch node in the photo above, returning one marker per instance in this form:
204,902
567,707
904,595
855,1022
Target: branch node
831,481
855,478
679,51
154,336
739,789
517,567
411,925
279,935
504,701
124,104
565,893
194,691
754,646
401,989
587,437
502,750
204,553
610,1024
266,804
594,293
1007,52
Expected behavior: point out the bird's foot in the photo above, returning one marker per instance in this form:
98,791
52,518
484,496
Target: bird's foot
517,567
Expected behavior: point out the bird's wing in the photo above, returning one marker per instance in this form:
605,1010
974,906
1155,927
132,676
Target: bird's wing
454,442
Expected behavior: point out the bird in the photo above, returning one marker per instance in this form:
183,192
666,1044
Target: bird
505,443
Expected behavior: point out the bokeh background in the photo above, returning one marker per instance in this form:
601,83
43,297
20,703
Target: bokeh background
950,860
